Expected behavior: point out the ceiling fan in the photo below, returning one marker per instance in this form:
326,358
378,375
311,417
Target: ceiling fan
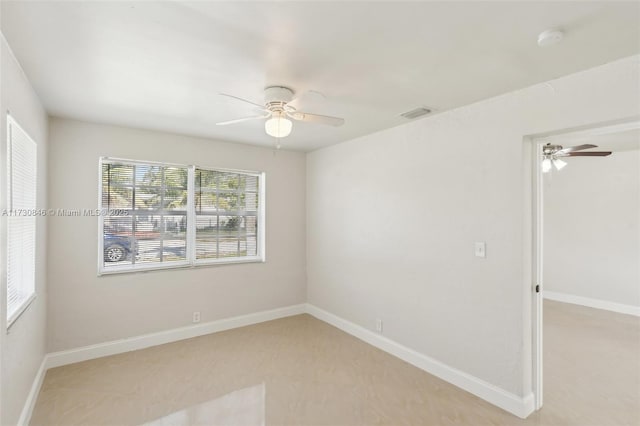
551,153
278,109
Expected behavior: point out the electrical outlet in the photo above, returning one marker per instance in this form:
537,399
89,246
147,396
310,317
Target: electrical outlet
196,316
379,325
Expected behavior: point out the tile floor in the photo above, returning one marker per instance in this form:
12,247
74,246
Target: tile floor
302,371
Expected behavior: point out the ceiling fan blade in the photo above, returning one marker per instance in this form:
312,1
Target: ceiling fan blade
240,120
576,148
293,103
315,118
309,96
588,154
242,100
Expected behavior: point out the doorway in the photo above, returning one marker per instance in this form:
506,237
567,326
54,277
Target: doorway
622,138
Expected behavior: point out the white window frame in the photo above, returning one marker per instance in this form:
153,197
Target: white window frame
24,304
191,260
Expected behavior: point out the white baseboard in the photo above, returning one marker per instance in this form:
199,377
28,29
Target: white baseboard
592,303
30,403
514,404
57,359
519,406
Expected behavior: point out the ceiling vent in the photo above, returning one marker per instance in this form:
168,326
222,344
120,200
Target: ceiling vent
415,113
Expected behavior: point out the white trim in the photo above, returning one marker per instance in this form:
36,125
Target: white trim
179,264
593,303
30,403
18,312
228,260
538,276
131,162
143,267
519,406
57,359
100,229
607,129
538,248
190,238
262,217
191,215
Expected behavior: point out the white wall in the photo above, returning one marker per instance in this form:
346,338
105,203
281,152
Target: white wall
592,228
85,309
23,346
392,218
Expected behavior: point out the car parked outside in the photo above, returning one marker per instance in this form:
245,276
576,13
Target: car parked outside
116,248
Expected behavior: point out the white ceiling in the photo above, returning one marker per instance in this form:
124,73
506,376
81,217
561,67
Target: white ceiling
160,65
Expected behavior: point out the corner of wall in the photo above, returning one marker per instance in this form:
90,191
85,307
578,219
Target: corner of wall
23,348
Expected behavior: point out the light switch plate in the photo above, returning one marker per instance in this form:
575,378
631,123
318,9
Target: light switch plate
481,249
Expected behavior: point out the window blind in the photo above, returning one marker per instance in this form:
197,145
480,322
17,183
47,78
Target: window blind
21,220
145,209
226,206
165,215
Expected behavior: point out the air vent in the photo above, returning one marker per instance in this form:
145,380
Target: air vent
415,113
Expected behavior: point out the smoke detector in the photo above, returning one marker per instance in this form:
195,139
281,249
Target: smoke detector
550,37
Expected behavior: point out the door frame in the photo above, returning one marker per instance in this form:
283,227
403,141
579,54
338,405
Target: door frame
537,234
537,272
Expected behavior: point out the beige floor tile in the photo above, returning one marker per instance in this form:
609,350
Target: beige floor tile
301,371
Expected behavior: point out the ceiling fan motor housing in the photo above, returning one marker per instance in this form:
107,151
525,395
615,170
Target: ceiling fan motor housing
277,96
549,149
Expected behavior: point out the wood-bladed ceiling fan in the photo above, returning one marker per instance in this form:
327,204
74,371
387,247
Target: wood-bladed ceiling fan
279,107
551,154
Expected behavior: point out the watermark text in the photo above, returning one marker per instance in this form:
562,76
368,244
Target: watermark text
64,212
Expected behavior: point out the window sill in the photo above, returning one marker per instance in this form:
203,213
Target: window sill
229,261
23,307
180,265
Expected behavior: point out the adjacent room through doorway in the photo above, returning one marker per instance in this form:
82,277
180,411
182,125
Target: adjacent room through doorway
591,274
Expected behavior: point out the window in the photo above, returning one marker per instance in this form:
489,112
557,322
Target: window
226,214
21,220
155,215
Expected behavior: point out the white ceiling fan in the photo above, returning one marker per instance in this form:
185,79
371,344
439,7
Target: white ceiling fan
278,109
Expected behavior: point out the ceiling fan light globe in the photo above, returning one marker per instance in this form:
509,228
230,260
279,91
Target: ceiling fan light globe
278,126
546,165
559,164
